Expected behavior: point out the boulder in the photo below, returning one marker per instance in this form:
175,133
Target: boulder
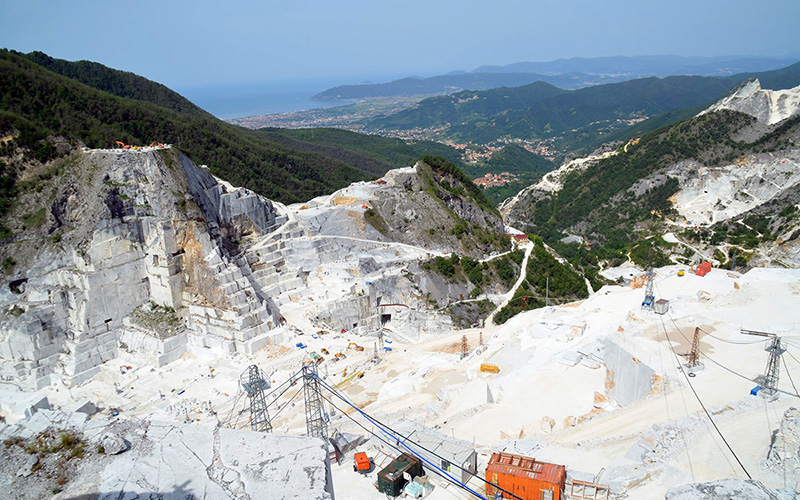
113,444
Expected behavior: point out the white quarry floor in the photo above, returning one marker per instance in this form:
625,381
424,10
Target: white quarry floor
429,384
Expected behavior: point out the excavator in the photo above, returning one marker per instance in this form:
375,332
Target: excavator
123,145
356,346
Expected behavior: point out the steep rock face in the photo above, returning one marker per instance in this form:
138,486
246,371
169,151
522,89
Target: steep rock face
128,228
767,106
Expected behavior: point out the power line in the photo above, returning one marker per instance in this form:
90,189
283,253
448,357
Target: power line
397,448
467,471
789,373
384,428
706,356
688,381
333,391
287,404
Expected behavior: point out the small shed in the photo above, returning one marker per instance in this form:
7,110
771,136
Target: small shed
661,306
455,456
392,479
524,477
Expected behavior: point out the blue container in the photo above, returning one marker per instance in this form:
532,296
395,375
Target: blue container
754,390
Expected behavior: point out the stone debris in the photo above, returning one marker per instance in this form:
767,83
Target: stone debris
728,489
27,469
784,453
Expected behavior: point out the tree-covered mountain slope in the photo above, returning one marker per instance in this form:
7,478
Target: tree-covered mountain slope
708,179
88,103
541,111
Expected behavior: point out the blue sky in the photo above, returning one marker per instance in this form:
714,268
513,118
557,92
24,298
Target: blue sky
198,43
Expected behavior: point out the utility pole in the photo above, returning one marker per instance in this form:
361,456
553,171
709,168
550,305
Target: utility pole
254,384
547,292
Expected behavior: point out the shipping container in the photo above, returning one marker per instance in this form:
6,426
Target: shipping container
703,269
392,479
524,477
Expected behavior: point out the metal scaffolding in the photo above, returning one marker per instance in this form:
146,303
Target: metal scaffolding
773,372
316,416
254,384
773,367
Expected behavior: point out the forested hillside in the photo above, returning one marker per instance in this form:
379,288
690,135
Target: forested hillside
89,103
578,118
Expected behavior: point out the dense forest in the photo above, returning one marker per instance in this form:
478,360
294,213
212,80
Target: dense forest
91,104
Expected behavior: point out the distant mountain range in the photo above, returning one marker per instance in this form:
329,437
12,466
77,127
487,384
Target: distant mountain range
641,66
540,110
571,73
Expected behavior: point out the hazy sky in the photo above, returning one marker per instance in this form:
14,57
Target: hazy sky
199,42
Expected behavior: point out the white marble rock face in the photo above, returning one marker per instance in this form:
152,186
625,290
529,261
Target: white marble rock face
77,301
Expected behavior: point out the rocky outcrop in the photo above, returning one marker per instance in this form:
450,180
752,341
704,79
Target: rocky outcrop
432,209
134,227
767,106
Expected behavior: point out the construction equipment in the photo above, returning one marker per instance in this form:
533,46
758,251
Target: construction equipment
324,351
485,367
681,272
122,145
362,463
355,346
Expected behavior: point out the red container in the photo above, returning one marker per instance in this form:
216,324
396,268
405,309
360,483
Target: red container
524,477
703,269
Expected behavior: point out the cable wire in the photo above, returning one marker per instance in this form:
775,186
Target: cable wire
688,381
397,448
285,405
374,422
467,471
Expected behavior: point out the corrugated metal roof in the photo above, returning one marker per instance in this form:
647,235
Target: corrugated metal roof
518,465
450,449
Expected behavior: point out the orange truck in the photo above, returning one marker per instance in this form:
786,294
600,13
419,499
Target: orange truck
363,463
